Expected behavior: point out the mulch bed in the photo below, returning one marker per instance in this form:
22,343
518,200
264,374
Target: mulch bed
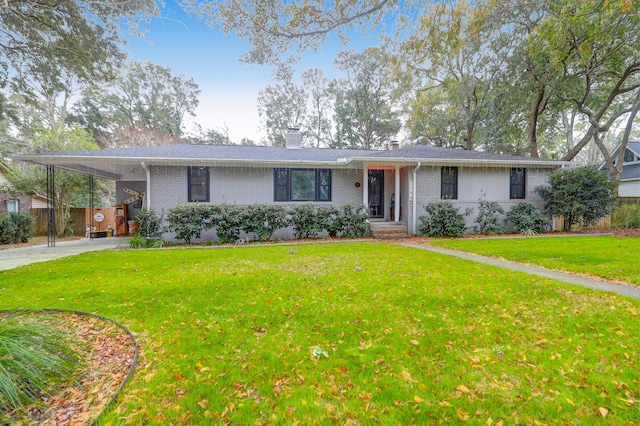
108,358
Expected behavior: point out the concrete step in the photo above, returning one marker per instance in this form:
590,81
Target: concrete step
388,230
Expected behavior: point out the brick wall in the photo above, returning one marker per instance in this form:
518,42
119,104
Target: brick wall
473,182
24,203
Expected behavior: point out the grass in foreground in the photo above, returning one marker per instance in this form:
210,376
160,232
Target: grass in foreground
412,337
613,258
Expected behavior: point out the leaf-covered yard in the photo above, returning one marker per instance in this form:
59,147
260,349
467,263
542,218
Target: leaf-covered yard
238,335
609,257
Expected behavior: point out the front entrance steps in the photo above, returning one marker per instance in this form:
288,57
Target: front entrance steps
383,230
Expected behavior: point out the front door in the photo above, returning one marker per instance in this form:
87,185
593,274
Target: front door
376,192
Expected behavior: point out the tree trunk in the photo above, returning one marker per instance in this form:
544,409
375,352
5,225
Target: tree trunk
537,107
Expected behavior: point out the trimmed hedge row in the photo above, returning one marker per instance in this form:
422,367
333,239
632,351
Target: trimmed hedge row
257,221
15,228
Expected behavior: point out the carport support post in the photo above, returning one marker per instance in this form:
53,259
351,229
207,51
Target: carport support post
51,212
90,207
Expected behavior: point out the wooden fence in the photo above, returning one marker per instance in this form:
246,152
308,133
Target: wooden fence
77,216
604,223
80,218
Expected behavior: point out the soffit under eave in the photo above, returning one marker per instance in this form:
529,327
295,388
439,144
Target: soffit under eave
464,163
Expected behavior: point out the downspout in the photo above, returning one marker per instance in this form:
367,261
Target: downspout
415,199
148,197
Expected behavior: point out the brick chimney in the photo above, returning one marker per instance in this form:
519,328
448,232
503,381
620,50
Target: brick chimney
393,145
293,138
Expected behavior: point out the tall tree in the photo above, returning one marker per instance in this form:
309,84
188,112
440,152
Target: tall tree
69,187
278,31
318,120
364,110
78,38
280,107
447,50
145,106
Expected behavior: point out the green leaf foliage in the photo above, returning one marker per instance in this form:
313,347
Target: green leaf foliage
443,219
149,223
15,228
263,220
187,221
626,216
488,220
305,221
582,196
526,218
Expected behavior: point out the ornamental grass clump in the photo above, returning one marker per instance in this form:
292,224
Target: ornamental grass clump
34,358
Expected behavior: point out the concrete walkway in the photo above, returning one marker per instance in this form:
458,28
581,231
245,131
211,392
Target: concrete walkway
12,258
623,290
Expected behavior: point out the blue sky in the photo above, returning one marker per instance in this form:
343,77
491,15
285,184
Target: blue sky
229,89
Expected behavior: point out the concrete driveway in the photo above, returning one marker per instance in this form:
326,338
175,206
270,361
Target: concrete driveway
12,258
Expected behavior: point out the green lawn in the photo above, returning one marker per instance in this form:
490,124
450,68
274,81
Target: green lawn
411,336
615,258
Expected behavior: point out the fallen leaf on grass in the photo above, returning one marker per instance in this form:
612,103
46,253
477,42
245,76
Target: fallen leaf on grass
407,377
603,411
463,389
414,342
203,403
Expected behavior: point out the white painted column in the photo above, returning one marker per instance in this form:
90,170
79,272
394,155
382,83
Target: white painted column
365,187
396,210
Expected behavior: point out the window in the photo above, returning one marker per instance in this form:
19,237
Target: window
302,185
629,157
198,184
12,206
517,180
449,183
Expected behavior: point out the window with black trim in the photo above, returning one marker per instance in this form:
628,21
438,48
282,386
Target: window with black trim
302,185
449,183
517,187
198,184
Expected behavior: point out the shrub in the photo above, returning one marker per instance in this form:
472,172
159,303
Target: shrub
149,223
354,220
526,218
443,219
330,218
488,220
188,221
7,230
582,195
228,221
263,220
15,228
626,216
33,357
306,221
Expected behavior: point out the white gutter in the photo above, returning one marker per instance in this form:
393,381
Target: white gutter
415,199
148,197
